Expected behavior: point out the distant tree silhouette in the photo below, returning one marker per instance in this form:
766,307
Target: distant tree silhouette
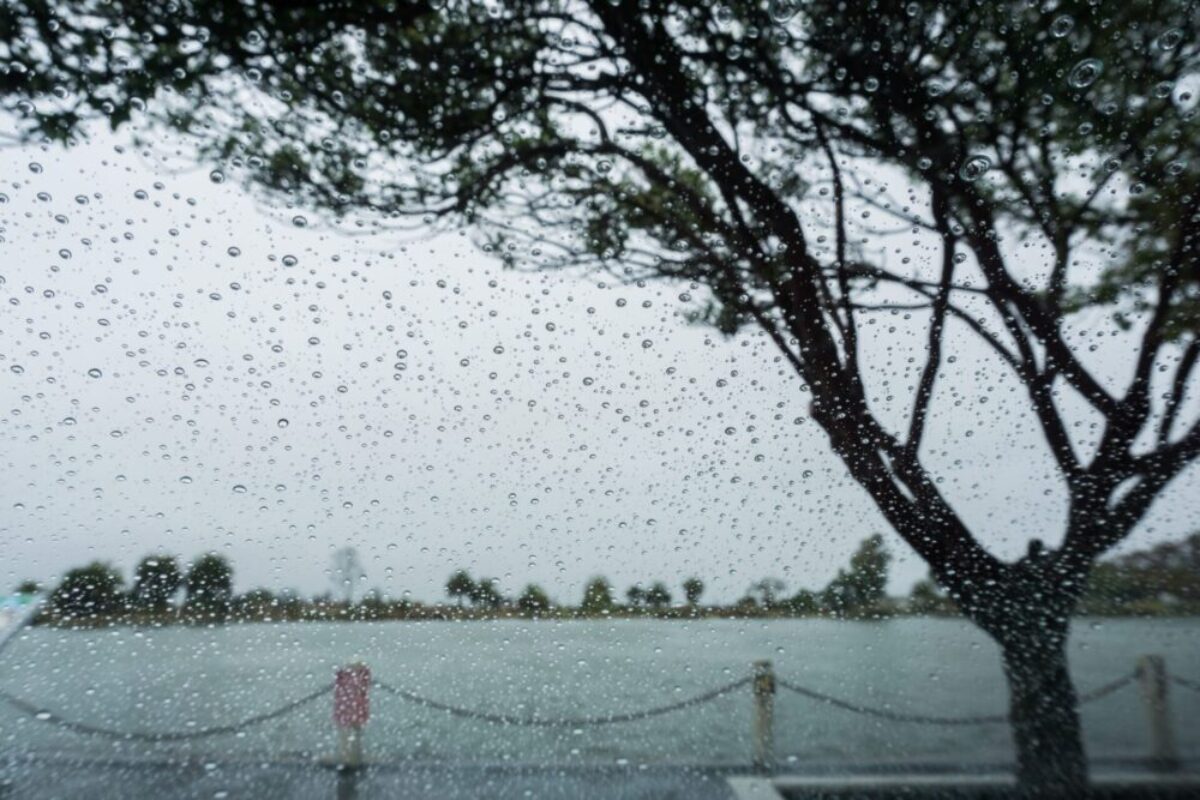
92,590
156,579
635,596
209,586
693,588
863,585
597,597
486,595
924,598
658,596
533,600
803,602
768,591
28,587
256,603
460,586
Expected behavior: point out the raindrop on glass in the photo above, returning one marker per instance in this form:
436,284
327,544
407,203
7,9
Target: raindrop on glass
1085,73
974,168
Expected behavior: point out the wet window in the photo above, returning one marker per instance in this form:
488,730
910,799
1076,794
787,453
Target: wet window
571,398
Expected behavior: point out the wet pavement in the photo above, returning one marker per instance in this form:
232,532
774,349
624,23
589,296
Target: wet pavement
44,779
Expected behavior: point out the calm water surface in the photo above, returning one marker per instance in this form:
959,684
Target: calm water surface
180,678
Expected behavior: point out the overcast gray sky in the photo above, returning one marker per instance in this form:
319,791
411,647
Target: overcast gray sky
182,369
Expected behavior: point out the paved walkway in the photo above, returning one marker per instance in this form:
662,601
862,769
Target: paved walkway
47,780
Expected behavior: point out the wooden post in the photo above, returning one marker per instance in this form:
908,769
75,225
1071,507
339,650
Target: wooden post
1152,676
351,710
350,754
764,711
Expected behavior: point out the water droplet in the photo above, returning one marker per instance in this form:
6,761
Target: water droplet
234,251
1085,73
282,423
216,176
239,488
94,373
1062,25
974,168
300,221
1169,40
290,261
783,10
35,168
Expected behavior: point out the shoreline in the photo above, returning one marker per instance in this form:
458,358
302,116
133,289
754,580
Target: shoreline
49,619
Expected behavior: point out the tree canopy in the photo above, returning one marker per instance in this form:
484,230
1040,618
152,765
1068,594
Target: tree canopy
209,584
89,590
1046,156
155,580
597,596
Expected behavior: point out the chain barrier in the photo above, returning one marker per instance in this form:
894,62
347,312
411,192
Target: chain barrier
1185,683
42,715
1101,692
929,719
550,722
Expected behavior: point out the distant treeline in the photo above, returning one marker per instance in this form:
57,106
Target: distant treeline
1162,580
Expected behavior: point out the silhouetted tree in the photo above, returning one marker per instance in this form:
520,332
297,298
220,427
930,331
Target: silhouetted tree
87,591
635,596
209,585
1045,155
693,588
658,596
256,603
28,587
486,595
803,603
156,579
374,602
533,600
767,590
597,597
860,588
460,586
924,598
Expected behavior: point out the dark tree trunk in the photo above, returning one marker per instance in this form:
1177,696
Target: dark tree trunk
1044,715
1027,611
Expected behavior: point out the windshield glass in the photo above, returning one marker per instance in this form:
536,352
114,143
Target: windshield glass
614,398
